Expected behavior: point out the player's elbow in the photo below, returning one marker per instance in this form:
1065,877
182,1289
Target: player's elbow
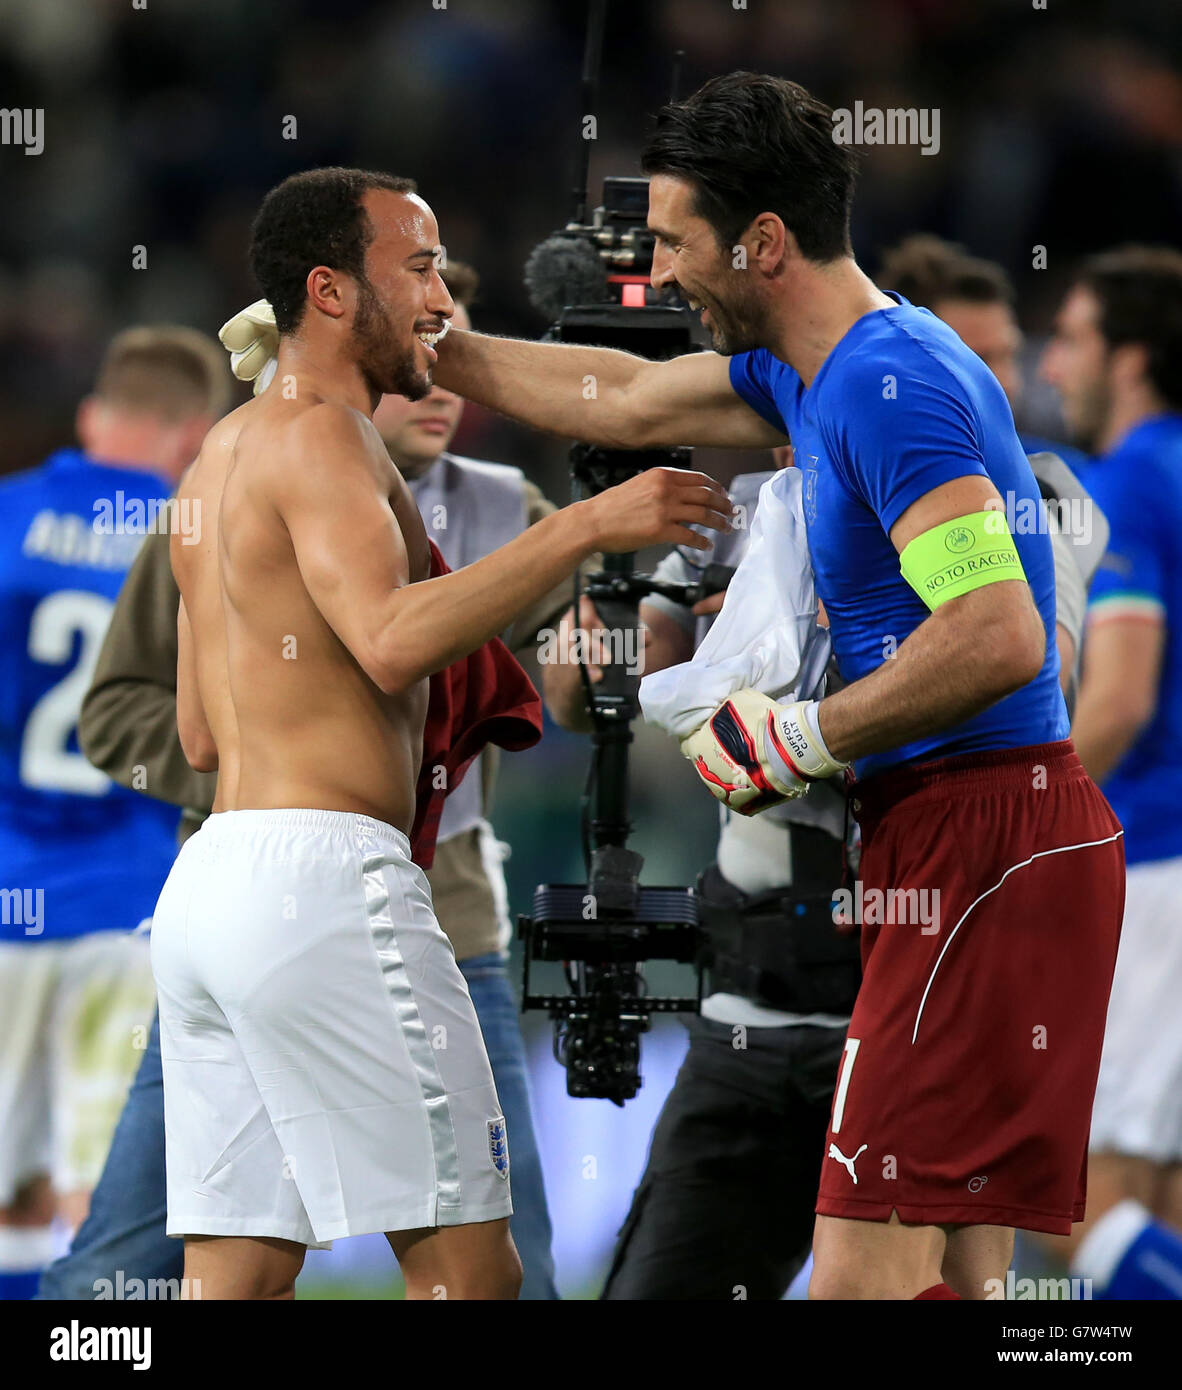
633,419
97,736
998,641
391,678
204,761
201,753
392,663
1016,650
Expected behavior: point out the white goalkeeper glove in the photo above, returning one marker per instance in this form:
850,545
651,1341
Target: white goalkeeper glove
753,753
252,340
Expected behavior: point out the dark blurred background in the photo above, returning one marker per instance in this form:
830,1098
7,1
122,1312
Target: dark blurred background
164,126
1061,127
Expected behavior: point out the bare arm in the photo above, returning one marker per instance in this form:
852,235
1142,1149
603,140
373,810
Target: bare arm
603,396
1118,689
352,557
547,612
196,737
968,654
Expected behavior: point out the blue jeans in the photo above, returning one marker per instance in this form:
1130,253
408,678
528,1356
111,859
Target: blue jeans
125,1227
500,1022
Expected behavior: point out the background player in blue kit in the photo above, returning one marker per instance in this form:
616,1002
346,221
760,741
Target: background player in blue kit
81,859
1116,359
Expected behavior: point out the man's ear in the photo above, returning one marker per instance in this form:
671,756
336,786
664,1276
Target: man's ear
770,242
86,420
1129,364
328,291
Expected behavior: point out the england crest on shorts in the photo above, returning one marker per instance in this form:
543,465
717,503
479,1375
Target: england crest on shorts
498,1146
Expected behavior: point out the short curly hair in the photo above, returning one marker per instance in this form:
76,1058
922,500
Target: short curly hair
310,219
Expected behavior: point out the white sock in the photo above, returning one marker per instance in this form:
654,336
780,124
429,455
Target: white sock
25,1247
1107,1243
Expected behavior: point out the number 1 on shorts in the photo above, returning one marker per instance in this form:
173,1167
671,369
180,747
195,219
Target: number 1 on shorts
848,1058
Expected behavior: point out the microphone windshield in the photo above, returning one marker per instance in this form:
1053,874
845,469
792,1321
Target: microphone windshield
563,271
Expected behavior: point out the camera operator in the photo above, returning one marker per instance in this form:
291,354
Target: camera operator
726,1200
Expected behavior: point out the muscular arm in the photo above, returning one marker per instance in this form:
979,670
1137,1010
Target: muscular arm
603,396
196,737
334,499
968,654
548,610
1118,689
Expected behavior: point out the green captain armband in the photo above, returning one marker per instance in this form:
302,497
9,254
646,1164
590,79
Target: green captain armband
959,556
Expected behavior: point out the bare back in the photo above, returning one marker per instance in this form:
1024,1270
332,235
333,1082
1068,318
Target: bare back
296,719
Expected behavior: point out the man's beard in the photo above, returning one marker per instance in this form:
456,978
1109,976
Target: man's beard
733,328
1090,418
388,368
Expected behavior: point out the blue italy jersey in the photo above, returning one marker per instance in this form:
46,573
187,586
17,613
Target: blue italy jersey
77,853
900,406
1139,488
1074,458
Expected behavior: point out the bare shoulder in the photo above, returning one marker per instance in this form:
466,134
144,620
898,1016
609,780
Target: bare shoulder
200,487
217,448
329,428
324,444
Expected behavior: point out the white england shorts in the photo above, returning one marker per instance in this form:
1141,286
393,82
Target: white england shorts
324,1071
1138,1108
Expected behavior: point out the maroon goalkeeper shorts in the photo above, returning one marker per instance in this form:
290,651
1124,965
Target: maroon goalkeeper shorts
991,895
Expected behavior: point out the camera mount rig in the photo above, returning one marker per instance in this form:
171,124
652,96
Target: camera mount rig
591,280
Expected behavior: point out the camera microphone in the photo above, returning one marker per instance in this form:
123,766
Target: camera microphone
564,271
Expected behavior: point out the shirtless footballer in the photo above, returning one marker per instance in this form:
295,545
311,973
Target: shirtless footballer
324,1072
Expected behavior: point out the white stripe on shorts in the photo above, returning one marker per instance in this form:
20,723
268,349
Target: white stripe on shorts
1041,854
381,922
